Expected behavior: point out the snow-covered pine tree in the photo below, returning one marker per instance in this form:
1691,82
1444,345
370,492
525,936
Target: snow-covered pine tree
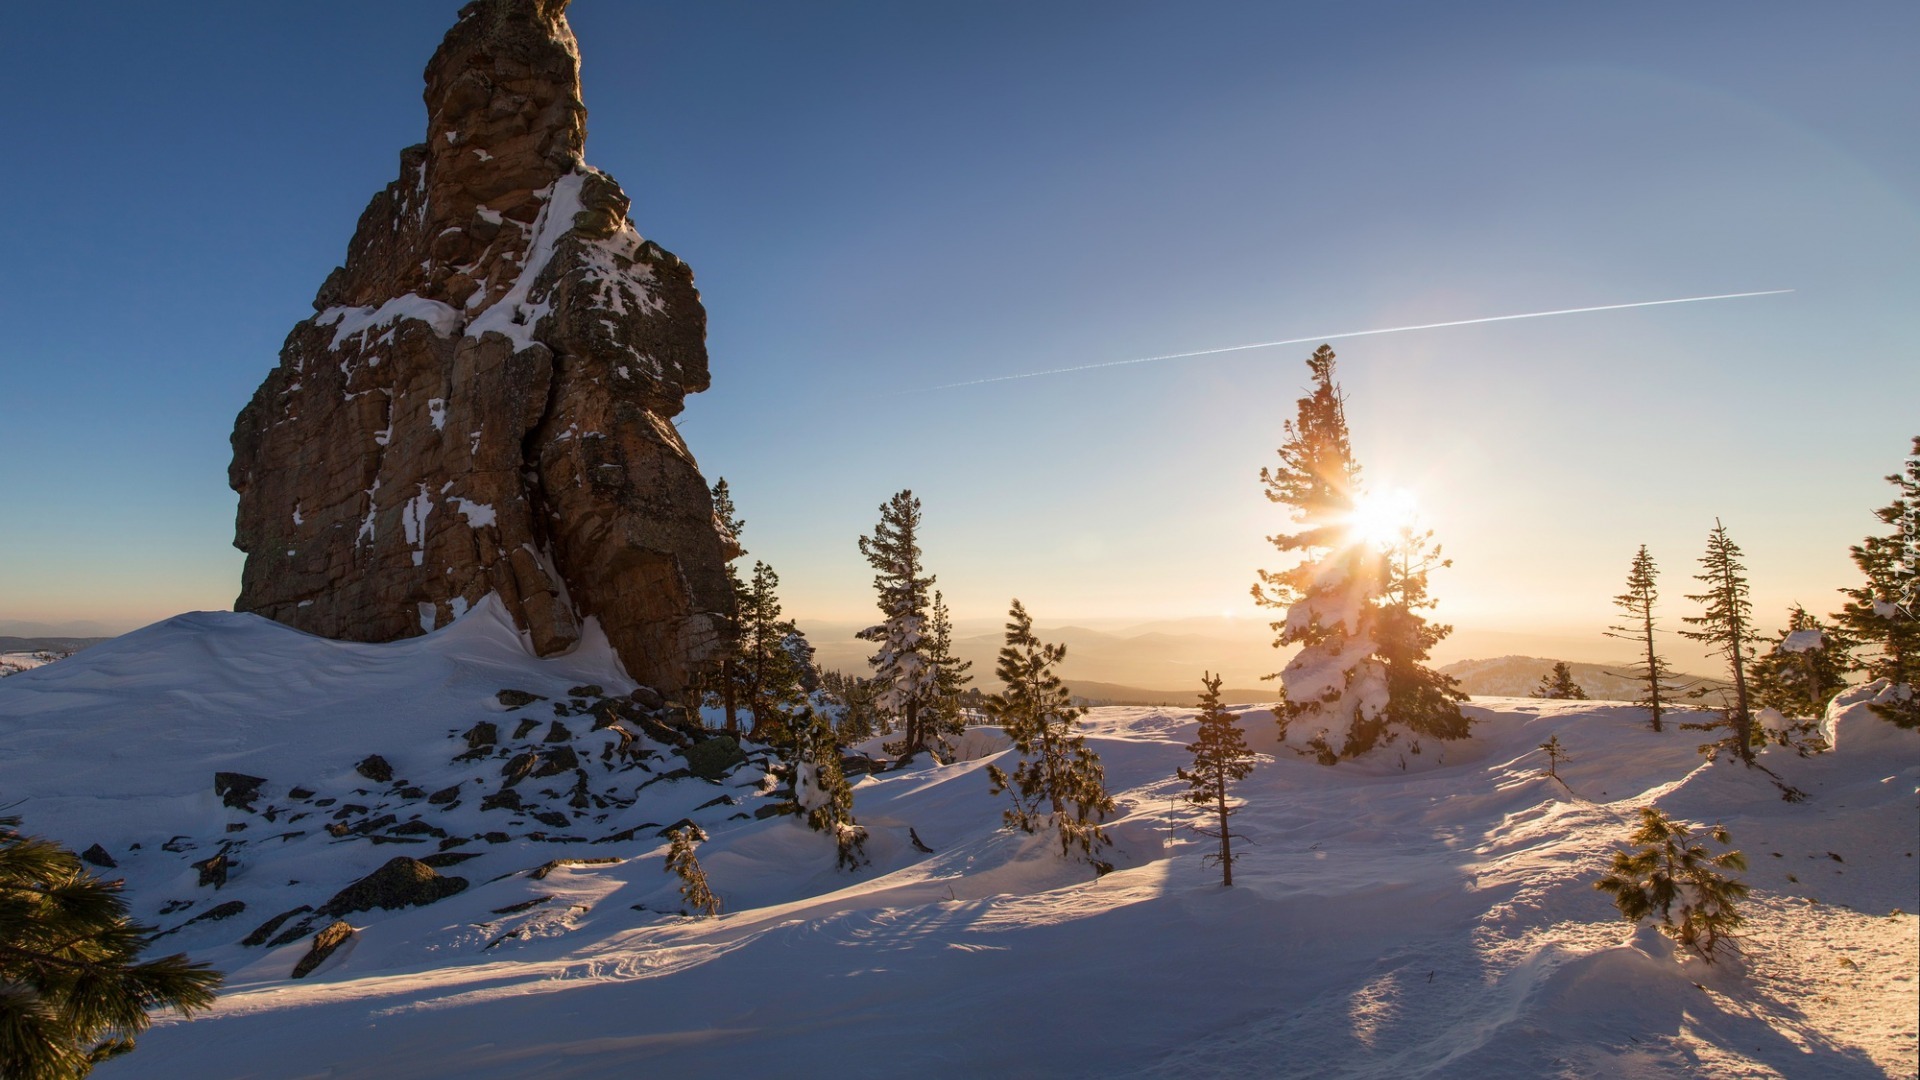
821,793
729,521
1882,614
1220,759
683,861
1638,626
858,717
1056,768
1351,607
945,719
906,680
1803,670
1727,626
1559,685
1667,869
73,989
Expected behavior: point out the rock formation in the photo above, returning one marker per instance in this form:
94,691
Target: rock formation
482,402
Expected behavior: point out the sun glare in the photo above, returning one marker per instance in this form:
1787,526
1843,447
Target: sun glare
1379,517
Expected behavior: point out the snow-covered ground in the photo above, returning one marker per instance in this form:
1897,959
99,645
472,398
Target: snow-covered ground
1415,914
15,662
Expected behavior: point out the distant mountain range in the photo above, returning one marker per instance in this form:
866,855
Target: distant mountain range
1519,676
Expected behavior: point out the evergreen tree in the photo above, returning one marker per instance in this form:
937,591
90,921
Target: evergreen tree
946,719
772,668
859,718
1638,626
73,989
906,678
1727,626
681,859
1057,770
729,521
1883,612
1559,685
1351,607
1803,670
1555,755
1666,870
820,789
1220,759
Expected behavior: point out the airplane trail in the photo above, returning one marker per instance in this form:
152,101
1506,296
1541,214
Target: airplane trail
1354,334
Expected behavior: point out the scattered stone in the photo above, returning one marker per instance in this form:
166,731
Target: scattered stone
324,943
858,764
526,726
514,699
517,768
553,818
98,856
556,761
213,871
236,826
713,758
496,837
375,768
237,790
558,733
523,905
681,824
540,872
509,799
623,836
444,795
325,802
917,844
484,733
647,698
349,810
172,906
454,842
265,930
338,828
300,793
772,809
418,828
443,859
723,800
225,911
411,793
402,882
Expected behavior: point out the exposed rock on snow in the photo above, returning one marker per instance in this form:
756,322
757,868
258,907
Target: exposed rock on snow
482,401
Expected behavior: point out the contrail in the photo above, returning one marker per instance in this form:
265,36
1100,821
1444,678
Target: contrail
1354,334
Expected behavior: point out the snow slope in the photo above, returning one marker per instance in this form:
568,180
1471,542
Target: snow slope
1417,914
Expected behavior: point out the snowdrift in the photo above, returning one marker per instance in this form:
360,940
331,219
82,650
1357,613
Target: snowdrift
1422,913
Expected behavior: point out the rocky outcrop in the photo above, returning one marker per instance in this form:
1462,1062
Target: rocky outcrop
483,400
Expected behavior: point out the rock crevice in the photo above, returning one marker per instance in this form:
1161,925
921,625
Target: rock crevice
483,399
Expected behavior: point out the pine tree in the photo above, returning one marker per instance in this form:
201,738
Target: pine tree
1667,870
1727,626
1220,759
729,521
1883,613
1555,755
1559,685
906,679
1803,670
681,859
1056,768
768,672
73,990
859,717
820,789
1638,626
1353,608
946,720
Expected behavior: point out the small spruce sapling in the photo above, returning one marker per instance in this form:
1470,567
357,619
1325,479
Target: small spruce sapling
1666,870
1559,685
1220,758
73,989
694,893
1057,769
820,789
1555,755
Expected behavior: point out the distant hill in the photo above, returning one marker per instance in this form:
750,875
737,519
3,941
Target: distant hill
1088,692
19,654
1519,676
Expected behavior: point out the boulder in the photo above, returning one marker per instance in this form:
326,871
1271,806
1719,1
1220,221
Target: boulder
237,790
375,768
98,856
324,943
402,882
713,758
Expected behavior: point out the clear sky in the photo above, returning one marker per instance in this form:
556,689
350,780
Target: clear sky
881,198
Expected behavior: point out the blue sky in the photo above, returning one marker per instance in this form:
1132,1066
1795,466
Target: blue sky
881,198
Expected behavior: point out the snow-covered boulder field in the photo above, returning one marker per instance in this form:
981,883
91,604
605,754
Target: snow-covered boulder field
1413,914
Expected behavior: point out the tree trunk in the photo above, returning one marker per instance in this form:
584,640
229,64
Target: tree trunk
726,695
1653,670
1226,840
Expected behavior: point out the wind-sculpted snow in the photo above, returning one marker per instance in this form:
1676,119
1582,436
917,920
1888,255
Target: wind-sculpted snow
1419,912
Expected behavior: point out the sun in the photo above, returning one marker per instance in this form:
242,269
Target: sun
1380,517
